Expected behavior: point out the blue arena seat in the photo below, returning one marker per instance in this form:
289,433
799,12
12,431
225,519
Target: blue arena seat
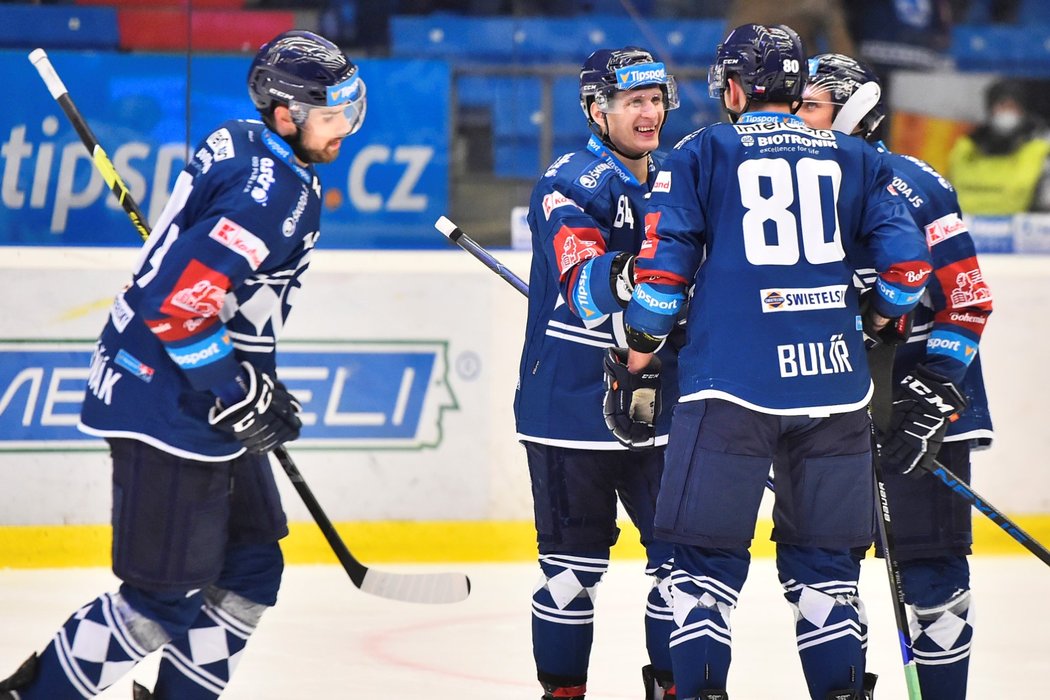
1033,12
1012,49
454,37
29,26
540,40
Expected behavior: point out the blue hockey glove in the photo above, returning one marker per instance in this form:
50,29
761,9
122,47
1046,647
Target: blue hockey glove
894,333
264,418
924,404
632,401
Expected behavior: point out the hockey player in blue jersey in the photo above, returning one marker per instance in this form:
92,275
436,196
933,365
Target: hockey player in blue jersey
183,387
586,217
765,217
931,525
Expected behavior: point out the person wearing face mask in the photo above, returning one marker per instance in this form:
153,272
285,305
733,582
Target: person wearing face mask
1002,167
587,217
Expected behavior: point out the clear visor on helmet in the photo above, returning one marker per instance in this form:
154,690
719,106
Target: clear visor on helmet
335,121
716,80
613,101
827,89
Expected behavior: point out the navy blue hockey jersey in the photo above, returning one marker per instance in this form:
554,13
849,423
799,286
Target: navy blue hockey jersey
213,286
769,218
585,209
953,312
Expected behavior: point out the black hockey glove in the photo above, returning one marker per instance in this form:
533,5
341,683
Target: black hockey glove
263,419
894,333
632,401
923,405
621,278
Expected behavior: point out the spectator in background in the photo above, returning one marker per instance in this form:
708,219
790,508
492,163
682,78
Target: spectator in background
820,24
1002,167
892,35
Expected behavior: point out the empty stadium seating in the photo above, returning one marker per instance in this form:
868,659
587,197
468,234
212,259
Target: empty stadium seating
1020,50
28,26
559,45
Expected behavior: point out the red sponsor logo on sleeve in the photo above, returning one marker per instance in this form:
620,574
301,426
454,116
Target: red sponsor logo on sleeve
170,329
944,228
964,285
199,292
241,241
573,245
554,200
972,320
909,274
648,249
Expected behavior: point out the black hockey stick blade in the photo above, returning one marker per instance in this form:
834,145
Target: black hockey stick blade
411,588
456,235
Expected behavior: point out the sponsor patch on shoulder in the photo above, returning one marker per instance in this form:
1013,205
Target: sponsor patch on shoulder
120,313
554,200
241,241
221,144
944,228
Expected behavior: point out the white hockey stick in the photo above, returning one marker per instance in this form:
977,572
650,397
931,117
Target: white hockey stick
413,588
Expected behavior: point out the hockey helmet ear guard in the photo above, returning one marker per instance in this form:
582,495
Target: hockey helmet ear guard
304,70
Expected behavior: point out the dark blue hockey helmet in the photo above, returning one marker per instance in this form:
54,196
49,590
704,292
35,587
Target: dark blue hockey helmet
769,63
841,80
608,71
302,69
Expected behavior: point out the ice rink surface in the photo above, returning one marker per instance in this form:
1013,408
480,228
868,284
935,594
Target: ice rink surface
325,639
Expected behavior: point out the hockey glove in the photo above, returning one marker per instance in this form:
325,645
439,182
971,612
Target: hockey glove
264,418
621,278
894,333
632,401
923,406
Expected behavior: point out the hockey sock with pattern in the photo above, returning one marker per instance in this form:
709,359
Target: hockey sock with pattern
96,646
199,664
705,585
659,619
942,636
563,612
831,629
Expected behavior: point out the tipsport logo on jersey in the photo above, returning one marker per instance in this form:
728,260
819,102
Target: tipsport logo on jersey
354,395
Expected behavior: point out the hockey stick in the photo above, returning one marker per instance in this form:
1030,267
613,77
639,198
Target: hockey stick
454,234
964,491
880,361
414,588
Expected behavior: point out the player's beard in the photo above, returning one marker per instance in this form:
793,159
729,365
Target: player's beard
312,155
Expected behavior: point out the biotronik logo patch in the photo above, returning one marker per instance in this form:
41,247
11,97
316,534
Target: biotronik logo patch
360,395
